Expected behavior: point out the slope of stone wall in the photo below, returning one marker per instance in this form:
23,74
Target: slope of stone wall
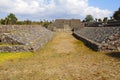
14,48
31,37
108,37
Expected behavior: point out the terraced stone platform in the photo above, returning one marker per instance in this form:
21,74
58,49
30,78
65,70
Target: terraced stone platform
100,38
23,38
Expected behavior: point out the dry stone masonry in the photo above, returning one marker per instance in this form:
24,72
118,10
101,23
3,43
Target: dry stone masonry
100,38
23,38
30,38
65,24
96,35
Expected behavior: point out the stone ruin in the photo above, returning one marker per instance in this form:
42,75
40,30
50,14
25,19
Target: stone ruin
100,38
23,38
110,23
30,38
65,24
94,35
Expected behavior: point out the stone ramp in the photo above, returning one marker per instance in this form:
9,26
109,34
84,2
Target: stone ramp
32,37
107,37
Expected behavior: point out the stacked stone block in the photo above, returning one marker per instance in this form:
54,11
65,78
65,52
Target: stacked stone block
106,38
62,23
30,37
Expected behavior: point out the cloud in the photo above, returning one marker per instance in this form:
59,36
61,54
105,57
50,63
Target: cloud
22,6
52,8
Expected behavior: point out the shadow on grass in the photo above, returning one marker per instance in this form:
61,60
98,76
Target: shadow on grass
114,54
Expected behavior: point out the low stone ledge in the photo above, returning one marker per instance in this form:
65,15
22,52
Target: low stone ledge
91,44
94,45
107,37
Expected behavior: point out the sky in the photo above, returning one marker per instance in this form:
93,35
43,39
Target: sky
36,10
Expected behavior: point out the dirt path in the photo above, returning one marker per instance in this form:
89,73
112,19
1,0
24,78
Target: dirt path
63,58
64,43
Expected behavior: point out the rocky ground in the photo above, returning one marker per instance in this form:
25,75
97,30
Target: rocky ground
63,58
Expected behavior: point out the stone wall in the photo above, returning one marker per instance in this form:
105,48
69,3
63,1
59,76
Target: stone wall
91,44
93,24
31,37
14,48
63,23
110,23
113,23
108,37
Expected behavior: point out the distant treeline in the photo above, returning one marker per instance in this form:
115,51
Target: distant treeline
11,19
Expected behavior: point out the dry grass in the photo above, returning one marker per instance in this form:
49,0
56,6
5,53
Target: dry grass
16,55
63,58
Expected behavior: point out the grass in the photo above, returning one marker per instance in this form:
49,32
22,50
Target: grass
3,44
63,58
4,56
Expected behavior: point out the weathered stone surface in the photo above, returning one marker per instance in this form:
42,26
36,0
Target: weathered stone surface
32,36
108,37
66,24
16,48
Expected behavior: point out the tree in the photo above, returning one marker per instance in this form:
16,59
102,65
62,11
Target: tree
105,20
46,23
99,20
116,15
20,23
27,22
89,18
2,21
11,19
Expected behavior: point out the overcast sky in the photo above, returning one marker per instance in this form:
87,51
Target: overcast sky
52,9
